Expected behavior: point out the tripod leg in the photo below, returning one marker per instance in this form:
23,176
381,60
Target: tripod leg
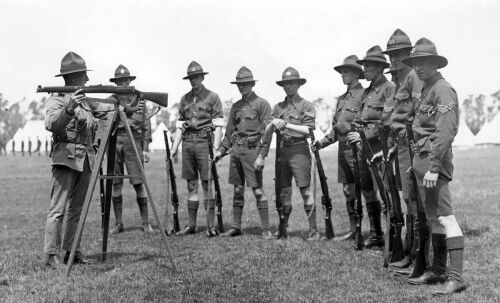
88,196
109,193
123,118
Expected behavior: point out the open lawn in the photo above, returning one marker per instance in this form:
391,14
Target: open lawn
241,269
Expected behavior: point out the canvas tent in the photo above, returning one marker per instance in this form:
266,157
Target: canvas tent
31,130
490,133
464,138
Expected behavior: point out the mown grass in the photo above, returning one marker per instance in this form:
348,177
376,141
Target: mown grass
242,269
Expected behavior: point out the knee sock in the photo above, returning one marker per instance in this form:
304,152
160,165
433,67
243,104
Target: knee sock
440,252
455,247
117,207
263,207
287,210
237,212
143,208
192,212
311,215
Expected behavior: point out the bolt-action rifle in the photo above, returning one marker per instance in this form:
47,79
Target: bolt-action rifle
174,198
215,178
282,232
326,201
358,208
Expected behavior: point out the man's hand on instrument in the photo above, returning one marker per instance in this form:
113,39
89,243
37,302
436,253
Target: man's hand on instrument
316,145
279,124
430,179
75,100
376,157
173,152
142,105
353,137
259,163
145,156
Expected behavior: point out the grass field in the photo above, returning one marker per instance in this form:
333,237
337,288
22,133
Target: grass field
241,269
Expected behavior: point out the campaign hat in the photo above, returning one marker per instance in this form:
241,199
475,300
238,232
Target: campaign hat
351,62
194,69
291,74
425,48
121,72
375,54
72,63
244,75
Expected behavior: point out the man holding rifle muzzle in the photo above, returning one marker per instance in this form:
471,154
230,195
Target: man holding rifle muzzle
200,122
70,118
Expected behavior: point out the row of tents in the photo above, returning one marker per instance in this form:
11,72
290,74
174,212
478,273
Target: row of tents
488,135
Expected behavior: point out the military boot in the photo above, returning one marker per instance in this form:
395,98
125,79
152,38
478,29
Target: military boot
376,236
352,223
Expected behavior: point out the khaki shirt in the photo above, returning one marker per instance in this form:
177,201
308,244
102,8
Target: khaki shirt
248,118
197,110
297,111
73,136
436,120
347,109
408,89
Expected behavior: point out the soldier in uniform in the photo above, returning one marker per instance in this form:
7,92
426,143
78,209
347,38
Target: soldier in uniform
200,120
408,88
38,146
141,130
435,126
30,144
348,106
293,117
247,121
70,119
376,106
22,147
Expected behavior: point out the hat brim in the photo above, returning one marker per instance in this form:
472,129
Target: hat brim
390,50
132,78
301,81
441,61
338,68
383,63
73,71
193,75
243,81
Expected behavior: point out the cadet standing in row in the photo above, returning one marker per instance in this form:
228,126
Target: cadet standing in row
435,126
247,121
125,156
293,117
347,108
376,106
200,120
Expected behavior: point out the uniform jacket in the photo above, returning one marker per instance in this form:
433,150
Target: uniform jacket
436,120
297,111
197,110
408,89
73,136
248,118
348,106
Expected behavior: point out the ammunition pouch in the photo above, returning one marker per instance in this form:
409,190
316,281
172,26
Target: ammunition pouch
290,141
196,134
246,141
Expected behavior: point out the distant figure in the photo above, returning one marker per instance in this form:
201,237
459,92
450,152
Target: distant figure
30,144
38,145
22,147
46,146
13,147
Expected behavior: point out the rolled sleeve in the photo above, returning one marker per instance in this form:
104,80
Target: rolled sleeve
309,118
56,118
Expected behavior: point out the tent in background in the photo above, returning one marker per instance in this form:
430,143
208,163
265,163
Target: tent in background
31,130
464,138
158,141
490,133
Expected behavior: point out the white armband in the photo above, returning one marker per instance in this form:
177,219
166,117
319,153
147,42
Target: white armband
179,124
218,122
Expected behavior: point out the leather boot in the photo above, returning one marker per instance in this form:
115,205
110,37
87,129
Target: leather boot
352,223
450,287
376,237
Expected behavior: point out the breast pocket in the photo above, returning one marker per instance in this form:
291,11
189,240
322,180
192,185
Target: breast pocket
251,120
373,112
296,119
205,111
187,111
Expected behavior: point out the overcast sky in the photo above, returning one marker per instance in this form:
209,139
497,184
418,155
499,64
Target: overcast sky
156,40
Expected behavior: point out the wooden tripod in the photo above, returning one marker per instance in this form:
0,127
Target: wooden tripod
109,143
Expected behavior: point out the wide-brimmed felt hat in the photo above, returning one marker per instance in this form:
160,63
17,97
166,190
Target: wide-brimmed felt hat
376,55
244,75
72,63
194,69
122,72
398,40
350,62
291,74
424,48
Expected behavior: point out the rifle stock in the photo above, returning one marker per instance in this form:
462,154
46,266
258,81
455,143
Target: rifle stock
326,201
282,232
173,185
215,178
358,211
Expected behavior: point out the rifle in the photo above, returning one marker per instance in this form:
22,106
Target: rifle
358,212
368,152
282,232
422,234
215,178
173,185
158,98
397,220
326,201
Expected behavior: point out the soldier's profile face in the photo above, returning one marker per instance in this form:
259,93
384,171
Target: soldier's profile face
397,56
245,88
196,81
371,70
348,75
125,82
79,78
291,88
425,68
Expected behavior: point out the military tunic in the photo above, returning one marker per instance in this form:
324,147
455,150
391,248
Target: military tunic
248,119
296,158
435,126
197,111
